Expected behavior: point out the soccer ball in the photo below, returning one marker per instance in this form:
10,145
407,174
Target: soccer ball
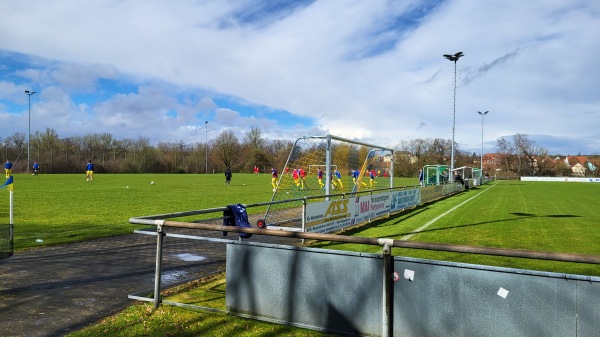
88,179
152,183
274,189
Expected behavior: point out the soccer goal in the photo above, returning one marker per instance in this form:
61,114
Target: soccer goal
314,168
339,158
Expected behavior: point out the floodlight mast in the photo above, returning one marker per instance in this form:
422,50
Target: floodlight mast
482,114
29,93
206,146
453,58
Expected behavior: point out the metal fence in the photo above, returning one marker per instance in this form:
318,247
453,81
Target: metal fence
6,240
345,293
379,295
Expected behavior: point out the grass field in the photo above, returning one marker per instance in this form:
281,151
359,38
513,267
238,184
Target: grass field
542,216
65,208
539,216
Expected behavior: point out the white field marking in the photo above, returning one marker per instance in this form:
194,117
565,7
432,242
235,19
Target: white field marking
416,231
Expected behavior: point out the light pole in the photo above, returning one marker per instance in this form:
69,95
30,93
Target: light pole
482,114
206,144
29,93
453,58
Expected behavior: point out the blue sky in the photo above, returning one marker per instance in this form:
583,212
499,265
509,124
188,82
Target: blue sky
366,70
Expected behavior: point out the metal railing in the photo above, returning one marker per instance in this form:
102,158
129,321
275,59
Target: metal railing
386,244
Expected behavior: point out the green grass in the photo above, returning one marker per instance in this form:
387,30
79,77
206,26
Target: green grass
144,320
542,216
65,208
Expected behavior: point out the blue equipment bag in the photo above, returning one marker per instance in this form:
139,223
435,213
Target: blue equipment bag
236,215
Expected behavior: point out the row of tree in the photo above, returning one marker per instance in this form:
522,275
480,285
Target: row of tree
110,155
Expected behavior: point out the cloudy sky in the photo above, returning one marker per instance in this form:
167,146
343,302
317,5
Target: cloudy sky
366,70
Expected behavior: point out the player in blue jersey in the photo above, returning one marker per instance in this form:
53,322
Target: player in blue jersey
89,171
8,168
338,179
355,176
372,178
36,168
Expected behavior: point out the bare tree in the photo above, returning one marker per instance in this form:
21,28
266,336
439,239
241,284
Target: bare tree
506,150
440,149
50,142
226,147
277,153
528,153
254,146
15,149
91,143
105,144
402,159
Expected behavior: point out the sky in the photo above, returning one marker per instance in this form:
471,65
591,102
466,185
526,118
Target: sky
372,71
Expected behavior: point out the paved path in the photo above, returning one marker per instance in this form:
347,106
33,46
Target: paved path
57,290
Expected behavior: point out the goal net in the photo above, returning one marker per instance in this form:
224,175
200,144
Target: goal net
338,158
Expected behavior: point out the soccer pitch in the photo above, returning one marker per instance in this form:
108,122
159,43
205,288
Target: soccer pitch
541,216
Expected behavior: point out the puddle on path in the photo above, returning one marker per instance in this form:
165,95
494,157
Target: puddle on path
190,257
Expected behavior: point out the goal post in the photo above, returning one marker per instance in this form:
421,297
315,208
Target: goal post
338,157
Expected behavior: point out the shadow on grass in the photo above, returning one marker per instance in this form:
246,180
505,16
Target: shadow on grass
521,215
529,215
423,208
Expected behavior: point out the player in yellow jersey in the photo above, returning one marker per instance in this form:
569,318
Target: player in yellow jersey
274,178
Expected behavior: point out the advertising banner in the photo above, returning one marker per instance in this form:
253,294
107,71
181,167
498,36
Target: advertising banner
329,216
562,179
405,198
333,215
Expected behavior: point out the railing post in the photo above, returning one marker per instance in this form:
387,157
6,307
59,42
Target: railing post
158,270
388,289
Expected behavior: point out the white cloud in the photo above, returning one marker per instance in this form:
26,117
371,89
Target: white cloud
359,69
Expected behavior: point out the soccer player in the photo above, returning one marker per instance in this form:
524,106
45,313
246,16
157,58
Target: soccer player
372,178
36,168
89,171
274,178
228,176
338,177
302,176
8,168
320,178
355,175
296,176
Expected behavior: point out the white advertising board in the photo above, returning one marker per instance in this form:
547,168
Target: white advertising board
562,179
333,215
